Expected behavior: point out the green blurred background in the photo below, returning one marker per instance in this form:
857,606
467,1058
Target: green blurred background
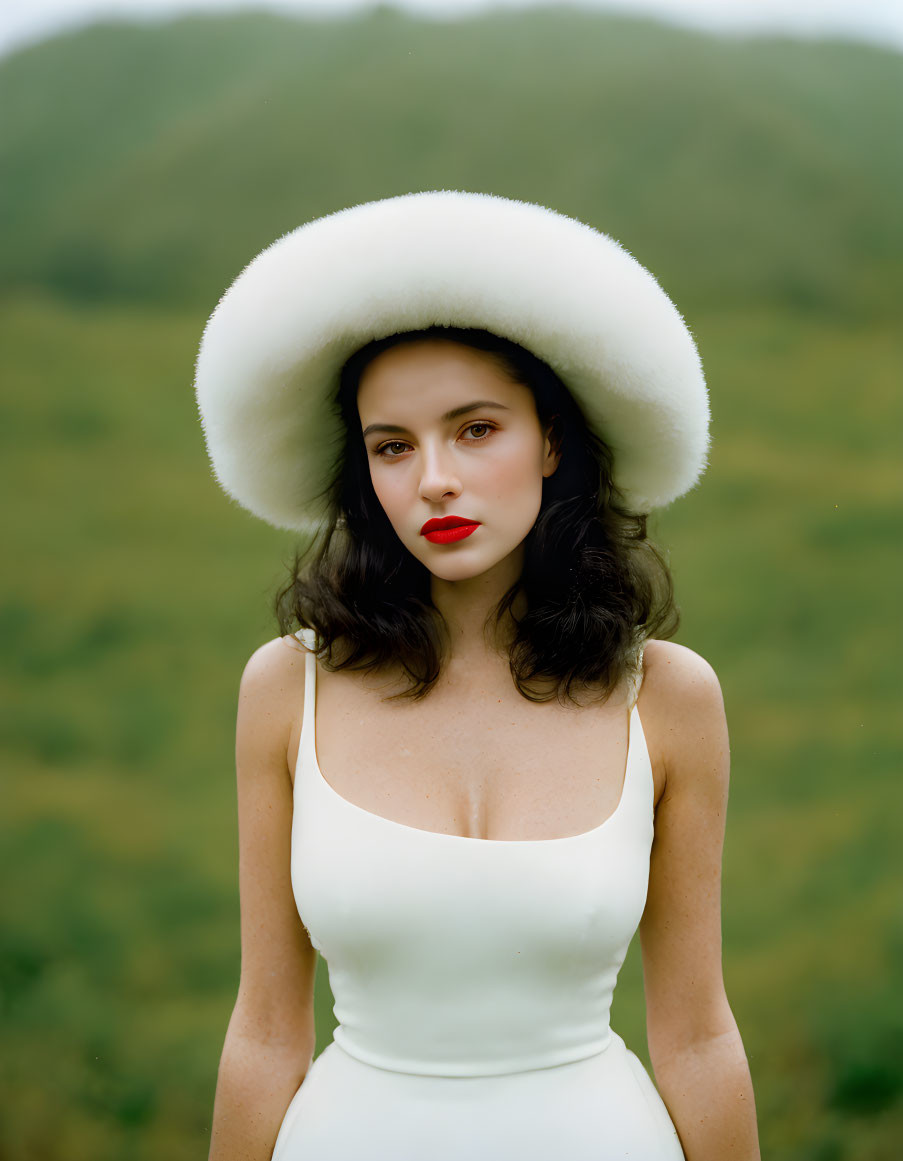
142,168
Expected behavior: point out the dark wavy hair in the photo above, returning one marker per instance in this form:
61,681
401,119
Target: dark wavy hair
595,586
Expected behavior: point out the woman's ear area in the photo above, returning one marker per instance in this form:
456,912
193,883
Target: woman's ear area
552,453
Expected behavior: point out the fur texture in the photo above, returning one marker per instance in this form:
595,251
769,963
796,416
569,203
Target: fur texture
270,357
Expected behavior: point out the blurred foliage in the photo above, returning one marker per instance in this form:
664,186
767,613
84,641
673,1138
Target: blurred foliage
761,181
153,162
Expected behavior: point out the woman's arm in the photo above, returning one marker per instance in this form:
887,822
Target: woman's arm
271,1036
697,1055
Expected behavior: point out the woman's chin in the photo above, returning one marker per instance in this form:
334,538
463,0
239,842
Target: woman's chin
456,570
463,565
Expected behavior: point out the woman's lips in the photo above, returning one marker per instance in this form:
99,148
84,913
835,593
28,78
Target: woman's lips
447,535
445,529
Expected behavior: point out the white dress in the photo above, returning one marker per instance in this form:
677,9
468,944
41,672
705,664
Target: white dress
473,981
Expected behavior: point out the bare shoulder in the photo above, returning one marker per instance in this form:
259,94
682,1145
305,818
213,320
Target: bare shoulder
273,665
271,695
675,672
681,701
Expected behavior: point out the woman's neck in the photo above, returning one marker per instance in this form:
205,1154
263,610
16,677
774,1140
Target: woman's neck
467,607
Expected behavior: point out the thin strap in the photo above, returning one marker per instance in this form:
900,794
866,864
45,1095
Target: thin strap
637,677
308,637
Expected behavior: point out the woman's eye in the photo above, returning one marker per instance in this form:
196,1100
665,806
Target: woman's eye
381,451
487,428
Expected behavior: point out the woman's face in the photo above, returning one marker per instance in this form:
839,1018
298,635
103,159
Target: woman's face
449,433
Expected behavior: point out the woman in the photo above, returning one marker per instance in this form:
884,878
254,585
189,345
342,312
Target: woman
473,773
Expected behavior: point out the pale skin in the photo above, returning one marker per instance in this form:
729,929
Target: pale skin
412,762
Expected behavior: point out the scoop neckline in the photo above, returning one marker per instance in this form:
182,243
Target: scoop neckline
633,717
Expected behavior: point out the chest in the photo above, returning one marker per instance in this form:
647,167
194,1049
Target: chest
474,758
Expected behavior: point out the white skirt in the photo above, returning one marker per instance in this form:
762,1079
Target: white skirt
603,1108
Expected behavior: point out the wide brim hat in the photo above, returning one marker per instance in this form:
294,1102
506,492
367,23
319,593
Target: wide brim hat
272,351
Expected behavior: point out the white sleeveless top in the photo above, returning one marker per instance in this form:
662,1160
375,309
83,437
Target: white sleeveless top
452,956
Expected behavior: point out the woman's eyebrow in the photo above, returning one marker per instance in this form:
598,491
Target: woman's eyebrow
446,418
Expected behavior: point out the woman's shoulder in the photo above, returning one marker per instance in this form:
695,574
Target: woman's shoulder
680,699
275,657
674,671
274,674
271,698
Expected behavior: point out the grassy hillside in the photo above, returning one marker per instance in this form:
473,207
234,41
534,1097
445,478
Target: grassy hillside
144,166
153,162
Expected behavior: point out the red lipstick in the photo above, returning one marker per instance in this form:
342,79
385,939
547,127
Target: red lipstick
446,529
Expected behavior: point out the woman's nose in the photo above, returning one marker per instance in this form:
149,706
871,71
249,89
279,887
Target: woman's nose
438,477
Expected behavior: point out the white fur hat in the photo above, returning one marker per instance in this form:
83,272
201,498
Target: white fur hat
269,362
